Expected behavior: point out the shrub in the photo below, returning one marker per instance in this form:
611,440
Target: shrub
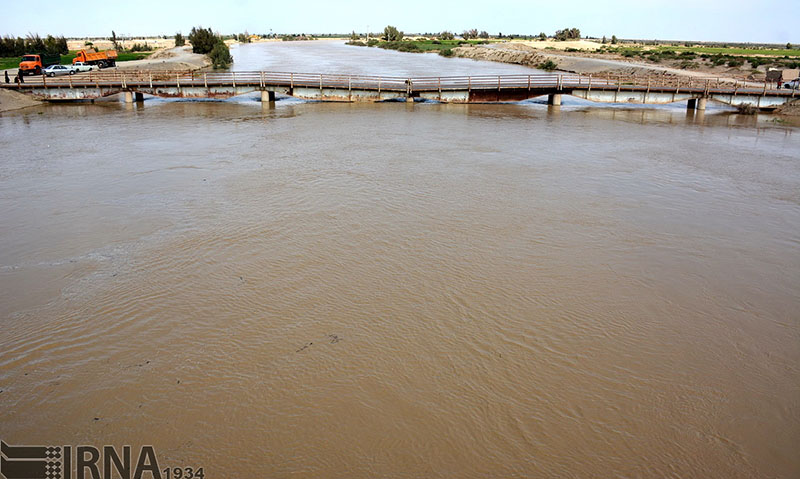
735,62
446,52
747,109
568,34
220,55
179,40
548,65
445,35
392,34
138,47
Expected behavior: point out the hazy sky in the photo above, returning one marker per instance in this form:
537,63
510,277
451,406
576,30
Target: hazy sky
723,20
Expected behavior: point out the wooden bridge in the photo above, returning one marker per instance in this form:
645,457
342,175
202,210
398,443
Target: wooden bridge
462,89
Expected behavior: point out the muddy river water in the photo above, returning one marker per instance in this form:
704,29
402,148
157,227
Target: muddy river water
310,289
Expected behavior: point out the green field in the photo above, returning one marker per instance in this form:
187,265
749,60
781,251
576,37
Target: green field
13,62
734,51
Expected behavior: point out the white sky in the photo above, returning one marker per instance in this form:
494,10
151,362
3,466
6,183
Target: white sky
763,21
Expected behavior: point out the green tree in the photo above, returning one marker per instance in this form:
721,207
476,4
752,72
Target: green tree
484,34
543,36
788,46
55,45
613,39
35,44
203,40
179,40
445,35
220,55
114,40
354,36
568,34
604,40
392,34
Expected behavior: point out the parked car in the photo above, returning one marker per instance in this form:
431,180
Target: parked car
54,70
82,67
793,84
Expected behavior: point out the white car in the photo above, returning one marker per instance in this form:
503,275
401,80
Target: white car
792,84
82,67
54,70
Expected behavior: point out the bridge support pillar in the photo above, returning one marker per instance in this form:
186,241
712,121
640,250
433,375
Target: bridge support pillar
554,99
691,104
701,103
128,97
267,96
139,97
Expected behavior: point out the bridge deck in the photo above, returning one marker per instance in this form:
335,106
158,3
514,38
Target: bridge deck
156,82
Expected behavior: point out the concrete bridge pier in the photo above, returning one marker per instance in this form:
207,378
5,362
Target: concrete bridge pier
554,99
267,96
130,96
697,104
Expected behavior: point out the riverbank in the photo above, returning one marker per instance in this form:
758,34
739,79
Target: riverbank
586,60
12,100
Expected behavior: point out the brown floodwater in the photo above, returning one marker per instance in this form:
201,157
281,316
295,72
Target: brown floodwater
403,290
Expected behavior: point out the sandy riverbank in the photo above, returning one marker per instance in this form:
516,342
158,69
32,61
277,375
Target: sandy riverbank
11,100
584,63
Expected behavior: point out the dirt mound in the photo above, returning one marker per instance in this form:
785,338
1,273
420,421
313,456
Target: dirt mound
790,109
516,56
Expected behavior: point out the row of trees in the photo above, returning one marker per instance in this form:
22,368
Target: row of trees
207,42
568,34
392,34
16,47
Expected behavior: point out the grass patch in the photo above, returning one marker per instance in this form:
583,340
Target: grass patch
735,51
419,46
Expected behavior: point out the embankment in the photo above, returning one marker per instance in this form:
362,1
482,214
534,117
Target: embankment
503,55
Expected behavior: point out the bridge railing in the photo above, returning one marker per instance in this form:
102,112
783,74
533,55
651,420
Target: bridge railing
185,78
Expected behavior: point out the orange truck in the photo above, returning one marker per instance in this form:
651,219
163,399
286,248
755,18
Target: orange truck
103,59
34,63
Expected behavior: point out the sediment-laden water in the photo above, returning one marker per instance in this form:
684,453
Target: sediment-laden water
403,290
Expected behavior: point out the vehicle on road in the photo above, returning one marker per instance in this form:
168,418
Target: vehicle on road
34,63
793,84
54,70
107,58
82,67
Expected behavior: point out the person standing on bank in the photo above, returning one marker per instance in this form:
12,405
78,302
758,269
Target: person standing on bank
7,79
